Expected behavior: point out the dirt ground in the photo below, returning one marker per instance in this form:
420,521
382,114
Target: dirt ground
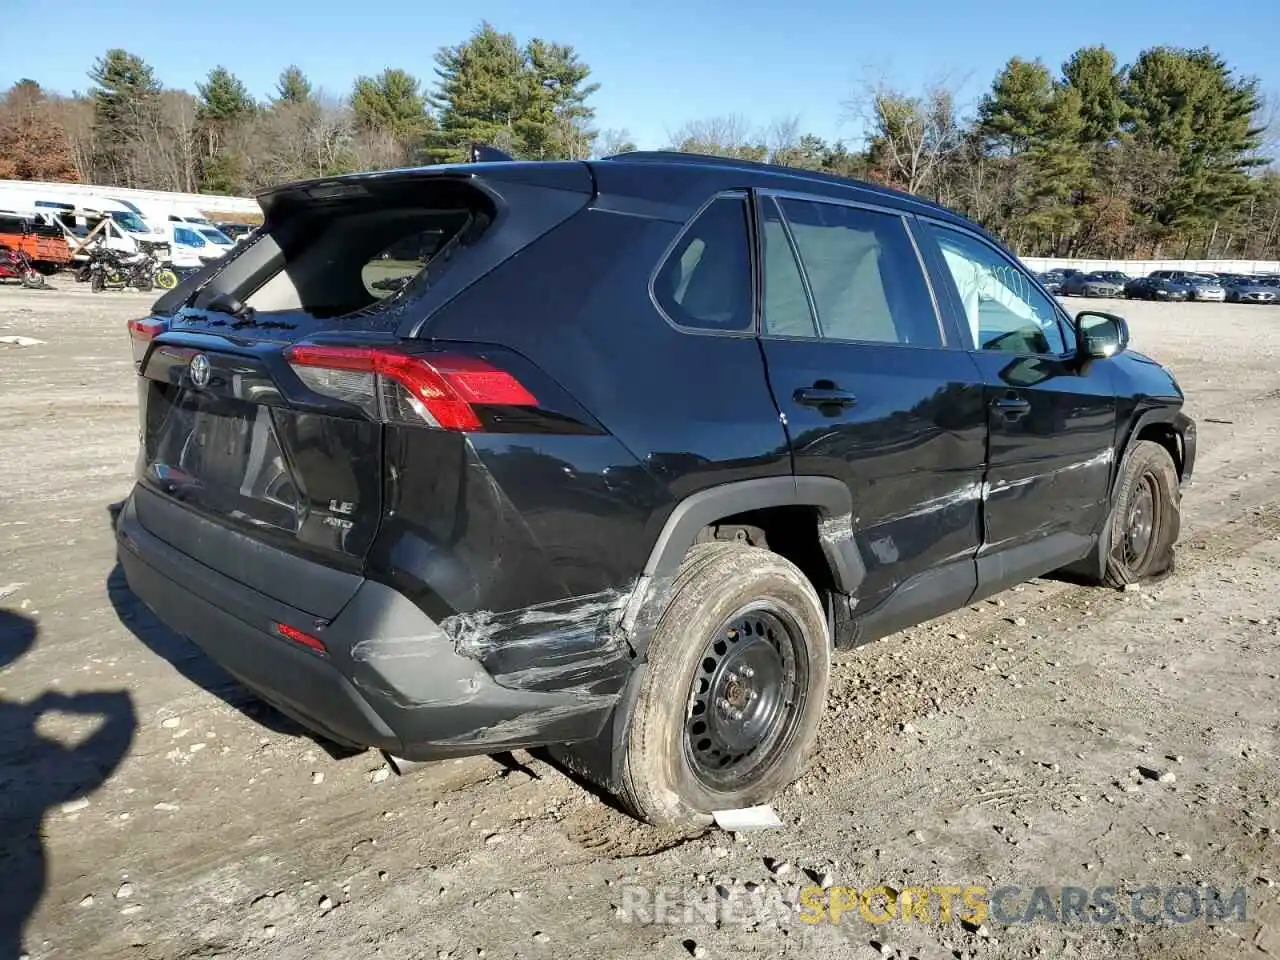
1054,736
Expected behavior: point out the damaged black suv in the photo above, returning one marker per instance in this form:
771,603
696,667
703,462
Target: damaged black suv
608,456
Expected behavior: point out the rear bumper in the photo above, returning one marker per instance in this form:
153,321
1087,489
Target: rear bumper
392,678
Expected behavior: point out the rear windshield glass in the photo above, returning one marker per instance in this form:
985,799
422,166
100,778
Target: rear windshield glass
357,255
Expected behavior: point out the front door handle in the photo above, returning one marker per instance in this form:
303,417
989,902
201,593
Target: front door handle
824,397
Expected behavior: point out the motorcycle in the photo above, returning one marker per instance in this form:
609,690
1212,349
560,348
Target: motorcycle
142,271
16,265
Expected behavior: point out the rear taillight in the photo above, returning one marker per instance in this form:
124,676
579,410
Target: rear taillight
439,390
303,639
147,328
141,333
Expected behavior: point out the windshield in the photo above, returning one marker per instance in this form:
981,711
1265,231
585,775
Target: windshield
188,238
216,236
130,221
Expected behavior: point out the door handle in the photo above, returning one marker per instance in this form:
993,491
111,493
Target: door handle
824,397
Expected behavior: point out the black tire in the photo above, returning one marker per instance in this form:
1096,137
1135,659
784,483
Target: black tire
1145,516
96,283
731,605
33,280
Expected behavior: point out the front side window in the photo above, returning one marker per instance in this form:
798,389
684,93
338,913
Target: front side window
705,282
188,238
863,275
1003,308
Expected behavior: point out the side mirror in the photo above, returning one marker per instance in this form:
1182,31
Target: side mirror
1100,335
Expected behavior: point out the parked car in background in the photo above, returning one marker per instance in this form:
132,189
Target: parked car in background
192,249
1091,285
1156,288
1250,290
453,515
1051,281
1200,286
236,231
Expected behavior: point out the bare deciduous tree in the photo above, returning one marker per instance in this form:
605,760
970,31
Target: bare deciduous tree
724,136
910,137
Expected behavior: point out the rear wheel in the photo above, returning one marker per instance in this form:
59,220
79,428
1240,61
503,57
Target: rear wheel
734,690
1145,516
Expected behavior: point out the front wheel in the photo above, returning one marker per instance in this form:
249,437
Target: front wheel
96,282
1145,516
733,691
166,279
33,280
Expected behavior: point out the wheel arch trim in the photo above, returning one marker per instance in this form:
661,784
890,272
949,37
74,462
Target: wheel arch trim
829,496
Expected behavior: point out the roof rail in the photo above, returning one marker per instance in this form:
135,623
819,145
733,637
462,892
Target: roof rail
483,153
684,156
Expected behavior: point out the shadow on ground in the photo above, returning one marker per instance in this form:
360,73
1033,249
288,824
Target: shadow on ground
39,773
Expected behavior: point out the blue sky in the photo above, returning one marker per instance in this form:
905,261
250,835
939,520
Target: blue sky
659,62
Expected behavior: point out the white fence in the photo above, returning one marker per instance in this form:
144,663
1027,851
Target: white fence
189,204
1139,268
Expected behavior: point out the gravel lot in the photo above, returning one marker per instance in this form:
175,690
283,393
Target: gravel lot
1056,735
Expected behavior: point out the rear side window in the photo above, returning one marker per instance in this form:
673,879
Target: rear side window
863,274
705,282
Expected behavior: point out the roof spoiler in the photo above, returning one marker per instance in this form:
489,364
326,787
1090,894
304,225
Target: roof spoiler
482,153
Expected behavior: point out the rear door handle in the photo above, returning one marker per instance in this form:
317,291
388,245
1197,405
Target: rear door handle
824,397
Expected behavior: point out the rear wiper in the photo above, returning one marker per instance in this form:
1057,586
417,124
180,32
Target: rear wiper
245,315
229,305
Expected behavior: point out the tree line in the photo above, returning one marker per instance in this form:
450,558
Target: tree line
1167,156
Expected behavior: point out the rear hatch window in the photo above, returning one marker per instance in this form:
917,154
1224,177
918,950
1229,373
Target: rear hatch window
349,259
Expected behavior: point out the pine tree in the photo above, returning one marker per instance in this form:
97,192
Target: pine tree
555,119
225,109
293,86
126,99
528,101
1187,105
392,103
1093,74
1013,113
482,92
224,98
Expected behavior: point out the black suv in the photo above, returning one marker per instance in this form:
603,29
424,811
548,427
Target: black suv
610,455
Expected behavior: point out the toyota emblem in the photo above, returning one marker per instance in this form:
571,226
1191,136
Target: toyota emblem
199,370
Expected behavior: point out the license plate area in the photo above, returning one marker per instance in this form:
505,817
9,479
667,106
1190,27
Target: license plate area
224,456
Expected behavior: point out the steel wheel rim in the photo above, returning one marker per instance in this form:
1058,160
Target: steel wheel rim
746,696
1140,524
